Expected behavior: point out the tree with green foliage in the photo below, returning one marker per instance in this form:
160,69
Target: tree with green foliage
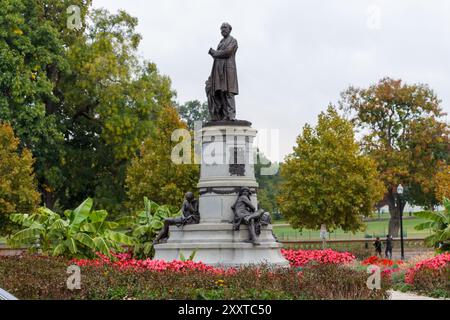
153,173
269,185
404,132
33,40
81,100
18,187
113,102
326,180
193,111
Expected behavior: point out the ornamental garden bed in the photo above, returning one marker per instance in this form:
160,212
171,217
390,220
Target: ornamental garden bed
31,277
314,274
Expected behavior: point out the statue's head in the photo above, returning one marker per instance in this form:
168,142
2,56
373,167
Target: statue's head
189,196
225,29
244,191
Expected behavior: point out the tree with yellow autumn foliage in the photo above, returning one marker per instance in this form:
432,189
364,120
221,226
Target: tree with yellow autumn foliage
17,181
403,130
153,173
442,182
326,180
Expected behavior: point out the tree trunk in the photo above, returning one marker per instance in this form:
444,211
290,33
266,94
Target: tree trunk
394,222
49,200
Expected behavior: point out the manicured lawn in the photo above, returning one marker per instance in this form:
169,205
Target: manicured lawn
374,228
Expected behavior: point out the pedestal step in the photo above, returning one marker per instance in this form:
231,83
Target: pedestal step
216,232
218,245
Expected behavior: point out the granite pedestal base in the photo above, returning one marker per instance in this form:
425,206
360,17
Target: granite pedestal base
217,244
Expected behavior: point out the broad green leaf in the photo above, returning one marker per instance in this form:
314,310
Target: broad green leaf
434,216
100,245
68,214
81,213
147,248
84,239
141,230
26,234
18,217
119,237
125,221
98,216
59,224
182,257
111,225
46,211
147,205
425,225
70,243
192,256
59,250
431,240
445,235
89,227
157,225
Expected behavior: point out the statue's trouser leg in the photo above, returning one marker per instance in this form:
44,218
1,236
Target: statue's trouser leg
251,229
221,105
164,233
230,106
256,215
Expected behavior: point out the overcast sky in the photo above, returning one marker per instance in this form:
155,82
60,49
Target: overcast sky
295,57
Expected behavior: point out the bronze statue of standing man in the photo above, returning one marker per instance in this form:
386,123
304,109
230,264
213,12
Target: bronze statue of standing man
222,84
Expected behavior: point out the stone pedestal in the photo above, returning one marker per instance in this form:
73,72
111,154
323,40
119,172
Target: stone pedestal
226,166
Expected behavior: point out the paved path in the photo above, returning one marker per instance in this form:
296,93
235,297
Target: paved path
397,295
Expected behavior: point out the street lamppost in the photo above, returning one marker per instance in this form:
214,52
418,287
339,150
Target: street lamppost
400,207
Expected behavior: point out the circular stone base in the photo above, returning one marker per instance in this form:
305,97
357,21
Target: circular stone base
217,244
238,123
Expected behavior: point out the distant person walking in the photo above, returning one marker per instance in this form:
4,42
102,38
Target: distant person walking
389,245
377,245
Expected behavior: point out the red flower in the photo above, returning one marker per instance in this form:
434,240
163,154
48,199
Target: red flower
380,261
125,262
300,258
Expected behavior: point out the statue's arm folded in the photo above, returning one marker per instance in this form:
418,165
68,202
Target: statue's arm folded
249,204
226,53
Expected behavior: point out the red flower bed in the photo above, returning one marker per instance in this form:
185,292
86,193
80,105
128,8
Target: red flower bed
435,264
124,261
300,258
297,258
374,260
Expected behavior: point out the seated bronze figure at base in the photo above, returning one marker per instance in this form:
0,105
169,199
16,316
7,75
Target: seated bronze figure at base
190,216
246,213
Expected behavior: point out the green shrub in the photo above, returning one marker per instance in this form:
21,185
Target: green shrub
439,223
145,225
81,233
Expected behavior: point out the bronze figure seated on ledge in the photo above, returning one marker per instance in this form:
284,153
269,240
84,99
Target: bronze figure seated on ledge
246,213
190,216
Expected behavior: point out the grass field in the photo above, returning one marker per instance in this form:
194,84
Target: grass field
374,228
